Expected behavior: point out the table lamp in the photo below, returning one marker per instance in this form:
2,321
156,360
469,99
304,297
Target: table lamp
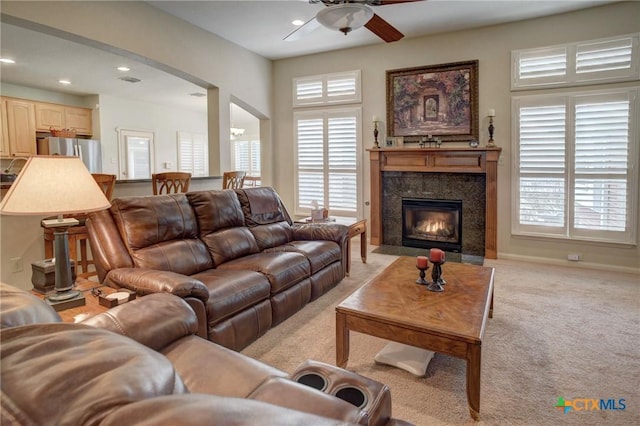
56,185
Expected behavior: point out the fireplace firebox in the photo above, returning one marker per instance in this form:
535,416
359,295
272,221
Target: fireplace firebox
432,223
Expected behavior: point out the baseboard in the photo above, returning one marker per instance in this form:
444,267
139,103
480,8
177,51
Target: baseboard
558,262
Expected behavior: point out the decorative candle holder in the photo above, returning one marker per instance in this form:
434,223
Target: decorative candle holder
375,134
436,277
422,274
490,143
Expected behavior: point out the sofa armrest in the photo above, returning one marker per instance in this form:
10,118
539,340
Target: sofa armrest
326,231
155,320
146,281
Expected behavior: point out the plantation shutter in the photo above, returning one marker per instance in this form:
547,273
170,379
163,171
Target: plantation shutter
327,161
602,125
310,136
342,164
327,89
192,154
246,156
572,64
542,165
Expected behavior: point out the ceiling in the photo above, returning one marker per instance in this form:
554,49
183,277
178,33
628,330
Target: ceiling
259,26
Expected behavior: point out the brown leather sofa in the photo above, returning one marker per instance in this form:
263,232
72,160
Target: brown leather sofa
141,363
234,255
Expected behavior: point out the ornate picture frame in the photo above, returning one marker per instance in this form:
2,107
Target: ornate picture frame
434,101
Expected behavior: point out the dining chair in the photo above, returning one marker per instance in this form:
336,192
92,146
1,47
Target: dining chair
170,182
106,182
233,180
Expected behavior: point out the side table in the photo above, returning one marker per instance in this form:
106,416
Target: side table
356,227
92,306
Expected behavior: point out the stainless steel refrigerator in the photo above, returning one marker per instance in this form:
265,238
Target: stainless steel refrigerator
88,150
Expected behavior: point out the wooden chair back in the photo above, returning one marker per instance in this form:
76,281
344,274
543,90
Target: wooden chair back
170,182
106,182
233,180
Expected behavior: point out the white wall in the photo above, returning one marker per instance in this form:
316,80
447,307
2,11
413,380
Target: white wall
164,121
492,47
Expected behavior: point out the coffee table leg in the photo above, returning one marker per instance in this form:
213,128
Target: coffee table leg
342,340
473,380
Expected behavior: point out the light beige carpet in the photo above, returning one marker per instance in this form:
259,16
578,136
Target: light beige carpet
556,332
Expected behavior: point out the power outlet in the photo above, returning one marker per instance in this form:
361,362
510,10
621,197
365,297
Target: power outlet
16,264
574,257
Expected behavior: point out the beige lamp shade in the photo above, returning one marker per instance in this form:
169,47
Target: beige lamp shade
53,185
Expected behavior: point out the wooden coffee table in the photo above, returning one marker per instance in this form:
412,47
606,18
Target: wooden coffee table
392,306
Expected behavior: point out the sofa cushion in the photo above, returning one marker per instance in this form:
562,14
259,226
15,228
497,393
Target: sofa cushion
197,410
231,291
161,232
221,225
282,269
21,308
319,253
262,206
76,374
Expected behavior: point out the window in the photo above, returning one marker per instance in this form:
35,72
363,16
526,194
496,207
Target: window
596,61
193,154
576,165
327,143
137,154
245,156
329,89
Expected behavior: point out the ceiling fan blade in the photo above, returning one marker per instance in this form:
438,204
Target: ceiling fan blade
383,29
303,30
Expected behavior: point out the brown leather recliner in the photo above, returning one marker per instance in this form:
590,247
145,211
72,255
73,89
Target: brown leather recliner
140,363
234,255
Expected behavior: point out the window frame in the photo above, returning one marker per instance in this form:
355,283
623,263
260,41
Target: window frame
325,114
572,77
569,231
326,96
191,137
124,154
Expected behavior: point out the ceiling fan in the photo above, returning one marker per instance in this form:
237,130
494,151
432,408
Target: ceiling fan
346,16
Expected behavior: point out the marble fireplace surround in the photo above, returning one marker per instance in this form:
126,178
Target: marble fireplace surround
469,174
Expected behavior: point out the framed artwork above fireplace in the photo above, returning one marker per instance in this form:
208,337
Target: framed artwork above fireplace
434,101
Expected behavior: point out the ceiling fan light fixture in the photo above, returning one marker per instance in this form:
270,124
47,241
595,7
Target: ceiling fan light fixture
345,17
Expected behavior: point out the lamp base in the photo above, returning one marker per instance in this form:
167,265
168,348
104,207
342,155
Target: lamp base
63,300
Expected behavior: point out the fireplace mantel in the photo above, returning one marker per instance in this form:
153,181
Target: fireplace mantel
437,160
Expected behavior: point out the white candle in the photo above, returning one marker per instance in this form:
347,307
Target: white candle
375,118
492,113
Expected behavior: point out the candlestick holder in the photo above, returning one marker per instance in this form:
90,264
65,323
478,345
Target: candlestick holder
490,143
422,274
375,134
436,277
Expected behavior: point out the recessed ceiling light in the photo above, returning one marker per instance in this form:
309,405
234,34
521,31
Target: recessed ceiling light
65,82
7,61
124,69
297,22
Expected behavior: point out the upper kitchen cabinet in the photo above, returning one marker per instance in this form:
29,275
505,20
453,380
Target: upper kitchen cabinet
4,136
48,116
20,127
78,119
62,117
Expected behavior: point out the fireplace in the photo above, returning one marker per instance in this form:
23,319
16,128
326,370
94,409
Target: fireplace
430,223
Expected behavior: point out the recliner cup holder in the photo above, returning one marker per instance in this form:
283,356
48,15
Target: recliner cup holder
352,395
313,380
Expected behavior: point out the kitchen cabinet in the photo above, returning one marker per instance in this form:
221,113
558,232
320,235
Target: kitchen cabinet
62,117
78,119
4,136
21,127
48,116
